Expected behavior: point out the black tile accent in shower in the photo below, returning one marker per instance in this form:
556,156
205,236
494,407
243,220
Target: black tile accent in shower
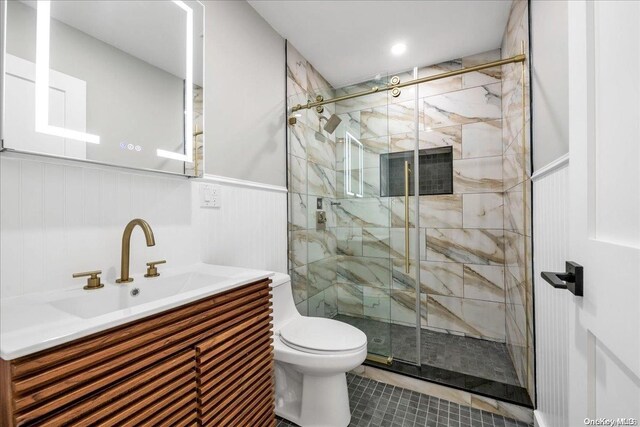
436,172
478,366
374,403
481,386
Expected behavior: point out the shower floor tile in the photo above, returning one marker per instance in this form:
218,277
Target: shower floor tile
374,403
471,356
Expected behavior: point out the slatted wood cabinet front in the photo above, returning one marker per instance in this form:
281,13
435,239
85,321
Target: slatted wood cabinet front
208,363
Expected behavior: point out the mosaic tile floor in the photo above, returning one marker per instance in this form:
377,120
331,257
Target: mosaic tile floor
378,404
471,356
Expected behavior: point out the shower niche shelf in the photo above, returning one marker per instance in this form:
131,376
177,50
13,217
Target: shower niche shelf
436,172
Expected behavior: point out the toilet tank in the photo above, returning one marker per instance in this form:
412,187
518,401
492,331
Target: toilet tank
284,309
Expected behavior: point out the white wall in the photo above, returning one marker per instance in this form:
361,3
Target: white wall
249,229
244,94
58,217
550,118
550,80
552,306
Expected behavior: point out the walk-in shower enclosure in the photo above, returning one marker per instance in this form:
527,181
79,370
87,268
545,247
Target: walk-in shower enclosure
457,307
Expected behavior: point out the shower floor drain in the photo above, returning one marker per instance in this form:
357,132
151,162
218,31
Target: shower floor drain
377,340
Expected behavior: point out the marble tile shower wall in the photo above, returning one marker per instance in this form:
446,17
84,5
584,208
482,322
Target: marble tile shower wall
312,175
517,198
462,256
472,279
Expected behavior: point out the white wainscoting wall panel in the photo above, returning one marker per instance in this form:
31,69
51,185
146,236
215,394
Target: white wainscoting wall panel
249,229
552,306
58,217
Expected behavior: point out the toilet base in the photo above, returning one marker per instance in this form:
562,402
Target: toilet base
312,401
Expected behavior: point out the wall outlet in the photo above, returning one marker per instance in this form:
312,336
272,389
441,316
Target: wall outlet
210,196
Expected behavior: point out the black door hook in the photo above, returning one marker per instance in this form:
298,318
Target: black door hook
572,279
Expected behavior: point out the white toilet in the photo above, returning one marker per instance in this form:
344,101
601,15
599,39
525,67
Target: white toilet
312,357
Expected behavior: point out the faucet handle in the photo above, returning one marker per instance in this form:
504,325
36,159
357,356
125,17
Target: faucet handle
152,270
93,282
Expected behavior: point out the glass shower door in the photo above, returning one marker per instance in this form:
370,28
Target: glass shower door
348,201
375,150
400,172
363,233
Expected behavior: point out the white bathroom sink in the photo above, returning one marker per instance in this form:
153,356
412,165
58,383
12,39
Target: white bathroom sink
142,291
35,322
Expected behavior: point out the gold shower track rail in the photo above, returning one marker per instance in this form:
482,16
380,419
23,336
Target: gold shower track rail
513,59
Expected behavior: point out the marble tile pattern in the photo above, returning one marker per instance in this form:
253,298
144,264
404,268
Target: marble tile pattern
475,318
436,87
387,120
431,138
482,139
442,278
476,104
299,283
483,77
350,299
479,175
484,282
376,242
376,303
517,197
297,211
313,249
483,210
321,275
469,246
374,272
196,167
460,234
472,273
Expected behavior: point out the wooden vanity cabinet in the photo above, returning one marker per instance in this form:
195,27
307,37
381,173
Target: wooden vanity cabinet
208,363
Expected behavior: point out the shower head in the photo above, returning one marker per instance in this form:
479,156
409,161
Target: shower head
332,123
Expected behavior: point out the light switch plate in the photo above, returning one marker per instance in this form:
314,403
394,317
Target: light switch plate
210,196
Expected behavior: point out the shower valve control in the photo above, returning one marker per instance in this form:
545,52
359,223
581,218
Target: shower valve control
321,220
210,196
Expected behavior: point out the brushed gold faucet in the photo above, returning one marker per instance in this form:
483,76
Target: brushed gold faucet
126,246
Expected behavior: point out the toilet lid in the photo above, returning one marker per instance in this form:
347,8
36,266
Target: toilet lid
318,335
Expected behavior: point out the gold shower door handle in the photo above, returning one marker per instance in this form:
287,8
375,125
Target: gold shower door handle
407,170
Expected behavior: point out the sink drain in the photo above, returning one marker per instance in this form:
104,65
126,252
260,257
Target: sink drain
135,292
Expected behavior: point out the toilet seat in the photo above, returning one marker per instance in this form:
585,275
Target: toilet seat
322,336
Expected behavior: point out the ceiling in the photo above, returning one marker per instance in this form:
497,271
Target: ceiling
350,41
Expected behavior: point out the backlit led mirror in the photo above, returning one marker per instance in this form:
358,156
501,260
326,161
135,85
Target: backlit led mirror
112,82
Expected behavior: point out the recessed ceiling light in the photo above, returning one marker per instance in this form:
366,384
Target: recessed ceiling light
398,48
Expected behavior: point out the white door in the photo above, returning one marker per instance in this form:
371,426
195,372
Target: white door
604,129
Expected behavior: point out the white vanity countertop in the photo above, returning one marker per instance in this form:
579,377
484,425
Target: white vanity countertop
36,322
